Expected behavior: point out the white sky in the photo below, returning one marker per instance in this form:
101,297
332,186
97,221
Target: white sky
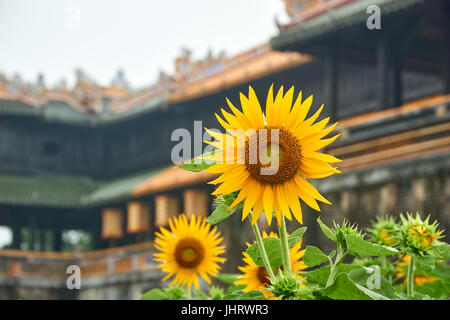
141,37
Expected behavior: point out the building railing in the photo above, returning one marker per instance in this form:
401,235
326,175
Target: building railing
53,265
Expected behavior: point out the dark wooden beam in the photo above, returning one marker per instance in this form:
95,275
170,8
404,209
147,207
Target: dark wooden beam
389,69
32,230
397,71
383,71
16,228
331,61
446,59
57,233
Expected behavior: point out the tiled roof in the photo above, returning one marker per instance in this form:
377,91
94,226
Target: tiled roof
333,21
44,190
13,107
63,107
67,191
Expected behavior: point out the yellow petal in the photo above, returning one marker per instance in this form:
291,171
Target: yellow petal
309,189
268,203
270,109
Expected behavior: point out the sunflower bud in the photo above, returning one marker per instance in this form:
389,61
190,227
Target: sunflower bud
346,229
285,285
418,235
384,231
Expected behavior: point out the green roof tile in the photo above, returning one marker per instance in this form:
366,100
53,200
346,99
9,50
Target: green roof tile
119,189
44,190
67,191
14,107
60,111
331,22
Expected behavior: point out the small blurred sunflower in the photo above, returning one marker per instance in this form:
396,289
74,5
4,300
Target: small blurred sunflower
418,235
249,154
418,279
383,231
188,250
255,277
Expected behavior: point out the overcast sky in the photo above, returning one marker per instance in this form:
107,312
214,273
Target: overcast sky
141,37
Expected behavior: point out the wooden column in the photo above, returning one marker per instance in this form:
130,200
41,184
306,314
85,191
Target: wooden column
196,202
446,58
397,71
331,61
32,231
166,207
16,230
42,238
57,233
383,71
390,70
96,229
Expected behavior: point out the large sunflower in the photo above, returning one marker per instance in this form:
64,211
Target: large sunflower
188,250
294,153
255,277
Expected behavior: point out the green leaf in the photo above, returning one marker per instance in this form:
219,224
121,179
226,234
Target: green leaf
296,236
200,294
425,263
368,277
228,278
234,288
221,213
320,275
344,288
273,250
327,231
154,294
197,164
362,248
436,289
441,270
241,295
441,252
314,256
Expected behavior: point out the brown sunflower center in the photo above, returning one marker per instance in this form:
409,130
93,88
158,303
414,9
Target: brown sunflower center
189,253
263,276
272,156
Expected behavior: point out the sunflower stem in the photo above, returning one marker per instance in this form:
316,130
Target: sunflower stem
334,266
284,246
410,282
262,250
188,293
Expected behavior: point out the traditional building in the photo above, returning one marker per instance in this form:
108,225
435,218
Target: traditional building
99,159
